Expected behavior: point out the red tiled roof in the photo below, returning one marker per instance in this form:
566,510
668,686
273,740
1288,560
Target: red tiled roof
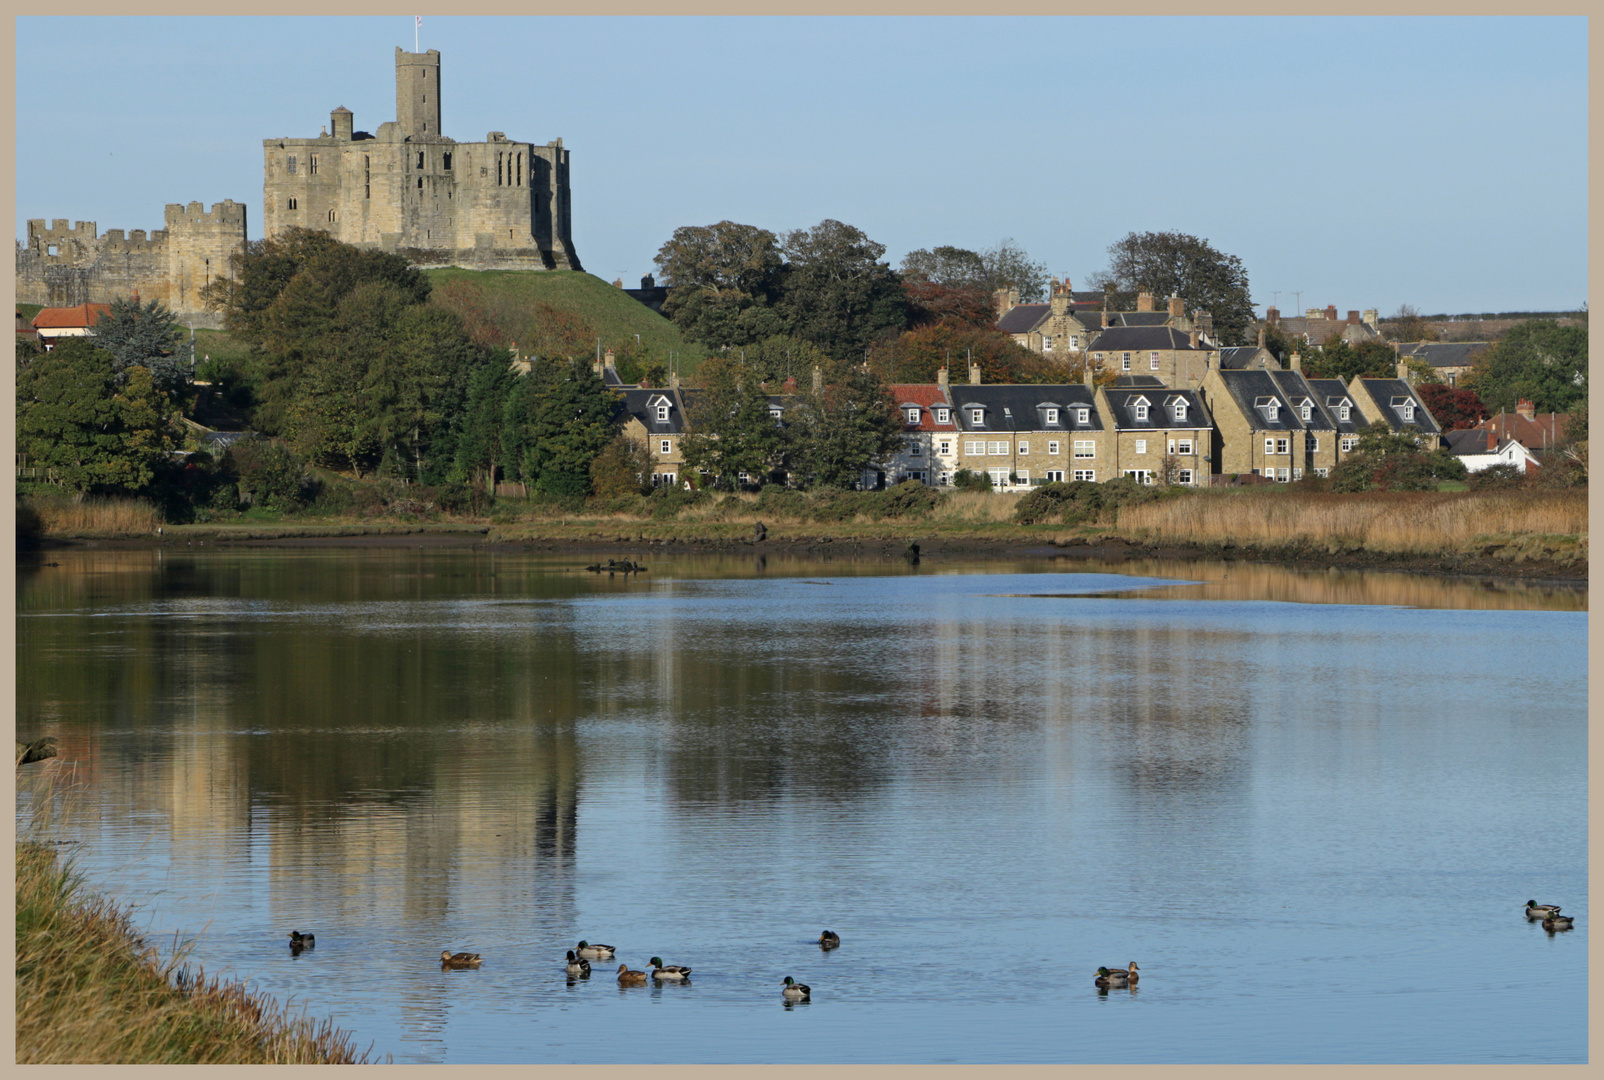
1540,433
70,318
926,396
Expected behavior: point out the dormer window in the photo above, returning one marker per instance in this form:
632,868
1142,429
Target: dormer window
1269,406
943,416
1178,411
1083,416
912,413
1305,411
774,412
1404,407
662,414
1406,411
1050,416
977,416
1343,411
1139,412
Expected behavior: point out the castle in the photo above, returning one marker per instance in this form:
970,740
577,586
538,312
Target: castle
493,205
499,204
65,267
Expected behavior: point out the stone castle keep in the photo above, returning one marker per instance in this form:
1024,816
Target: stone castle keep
493,205
499,204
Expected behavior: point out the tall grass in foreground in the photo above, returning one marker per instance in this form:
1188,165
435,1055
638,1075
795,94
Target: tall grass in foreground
90,990
1378,521
59,515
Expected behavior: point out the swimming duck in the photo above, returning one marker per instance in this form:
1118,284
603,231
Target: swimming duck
449,959
595,952
299,940
672,971
1133,976
1118,978
795,991
1557,922
1534,910
577,966
627,977
829,940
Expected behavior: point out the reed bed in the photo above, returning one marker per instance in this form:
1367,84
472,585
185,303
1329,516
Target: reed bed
62,516
1412,522
89,990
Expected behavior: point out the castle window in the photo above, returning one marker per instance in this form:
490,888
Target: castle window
290,166
445,162
420,159
54,250
292,203
520,170
311,165
331,215
420,183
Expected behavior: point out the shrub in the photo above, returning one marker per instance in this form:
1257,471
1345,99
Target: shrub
970,480
910,498
1498,477
1071,503
623,468
269,474
780,502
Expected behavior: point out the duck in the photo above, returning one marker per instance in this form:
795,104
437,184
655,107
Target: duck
671,971
1558,922
1119,978
627,977
576,965
795,991
1131,973
595,952
1534,910
299,940
449,959
829,940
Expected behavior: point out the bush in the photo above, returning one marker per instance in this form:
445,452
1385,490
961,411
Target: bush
1498,477
911,498
1071,503
623,468
668,501
970,480
781,502
269,474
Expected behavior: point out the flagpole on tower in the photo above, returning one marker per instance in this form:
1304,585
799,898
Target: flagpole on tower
417,21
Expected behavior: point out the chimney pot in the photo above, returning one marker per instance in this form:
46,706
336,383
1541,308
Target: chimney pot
1526,410
941,377
1331,312
974,374
1353,317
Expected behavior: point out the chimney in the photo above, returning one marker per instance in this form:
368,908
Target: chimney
789,385
1370,318
648,282
1261,334
1204,321
1331,312
1213,361
1177,307
974,374
1005,300
1144,301
1403,371
1086,369
818,378
340,123
1353,317
941,378
1060,297
1272,315
1105,318
1296,362
1526,409
609,362
1193,337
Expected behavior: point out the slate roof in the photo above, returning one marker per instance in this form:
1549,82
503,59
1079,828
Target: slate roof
1144,381
1137,338
70,318
928,396
1255,391
1389,393
1122,404
1022,407
641,404
1330,393
1443,354
1297,391
1471,441
1139,318
1238,357
1023,318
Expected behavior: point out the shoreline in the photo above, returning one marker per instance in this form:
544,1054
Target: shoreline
1524,566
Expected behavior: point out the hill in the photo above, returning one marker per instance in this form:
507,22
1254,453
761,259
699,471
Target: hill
612,314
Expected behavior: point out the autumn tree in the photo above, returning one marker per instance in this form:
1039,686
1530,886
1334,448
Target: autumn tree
1173,263
842,426
1454,408
1407,324
915,356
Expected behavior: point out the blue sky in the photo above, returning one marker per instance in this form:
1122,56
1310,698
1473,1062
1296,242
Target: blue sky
1439,162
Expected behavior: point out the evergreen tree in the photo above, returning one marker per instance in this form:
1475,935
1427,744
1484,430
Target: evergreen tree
836,293
1538,361
479,451
844,426
731,430
147,336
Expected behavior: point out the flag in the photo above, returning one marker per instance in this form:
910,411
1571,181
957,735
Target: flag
417,21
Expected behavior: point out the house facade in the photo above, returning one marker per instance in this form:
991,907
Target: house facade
1156,435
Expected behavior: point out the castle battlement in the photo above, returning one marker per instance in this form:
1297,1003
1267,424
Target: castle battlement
228,212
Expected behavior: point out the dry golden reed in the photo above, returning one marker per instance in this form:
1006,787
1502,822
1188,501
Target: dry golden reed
1378,521
95,517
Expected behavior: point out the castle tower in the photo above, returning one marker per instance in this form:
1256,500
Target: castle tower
417,93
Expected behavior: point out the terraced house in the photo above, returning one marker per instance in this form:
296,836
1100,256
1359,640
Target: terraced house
1157,434
656,420
1396,402
1269,423
929,450
1018,434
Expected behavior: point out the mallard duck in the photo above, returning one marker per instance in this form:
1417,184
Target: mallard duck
1534,910
671,971
829,940
576,965
627,977
1117,978
1131,973
299,940
595,952
458,960
795,991
1558,922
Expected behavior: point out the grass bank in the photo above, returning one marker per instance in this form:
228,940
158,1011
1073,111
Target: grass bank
90,990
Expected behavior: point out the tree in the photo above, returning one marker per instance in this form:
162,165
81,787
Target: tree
954,267
479,450
929,303
1006,266
1336,359
915,356
100,430
781,357
1406,324
622,468
1455,409
1173,263
835,292
1390,460
1538,361
843,426
147,336
731,431
558,418
724,281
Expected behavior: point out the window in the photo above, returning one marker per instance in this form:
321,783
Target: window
666,479
1024,448
774,413
1139,412
1178,411
1183,476
943,416
1349,442
946,446
331,215
1125,362
662,414
289,166
1051,416
1322,472
311,165
445,162
1305,411
974,448
1098,357
1297,474
997,448
977,416
1074,341
1052,447
1154,361
292,207
999,477
913,415
1082,416
1046,343
1089,475
665,446
1085,448
1311,443
1055,476
1283,446
1343,411
1022,476
1183,446
420,159
420,183
1141,476
1407,412
1271,411
1269,446
1281,476
913,448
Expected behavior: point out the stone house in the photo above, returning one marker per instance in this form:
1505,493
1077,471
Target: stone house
1269,424
1449,359
1027,434
655,418
1319,325
1178,358
929,450
1156,431
58,322
1347,418
1395,401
